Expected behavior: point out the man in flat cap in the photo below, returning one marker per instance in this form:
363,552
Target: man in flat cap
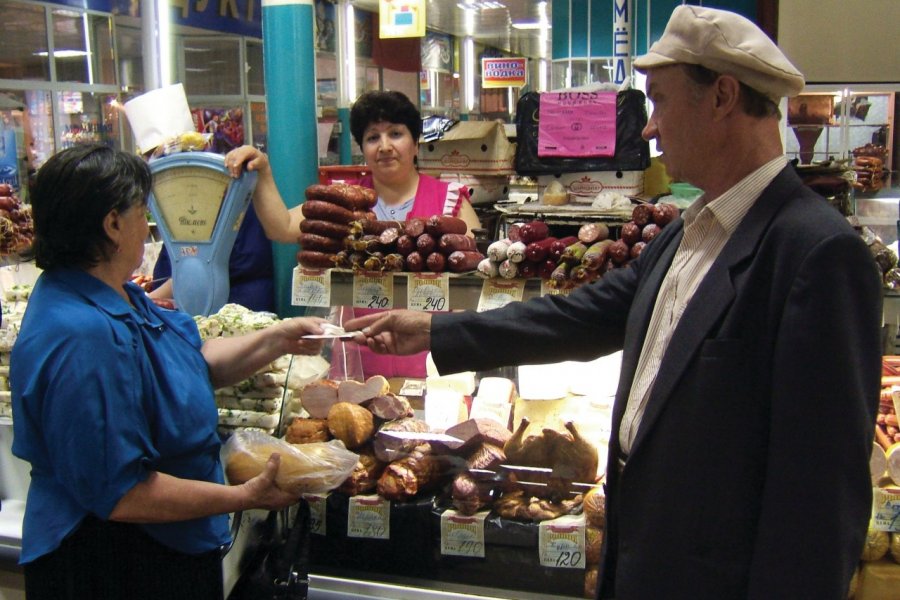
750,330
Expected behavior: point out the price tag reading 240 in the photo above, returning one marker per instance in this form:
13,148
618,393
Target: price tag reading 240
317,509
311,287
373,290
462,535
369,517
428,291
561,542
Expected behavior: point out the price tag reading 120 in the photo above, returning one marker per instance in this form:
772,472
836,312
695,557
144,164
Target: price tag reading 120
373,290
311,287
369,517
462,535
428,291
561,542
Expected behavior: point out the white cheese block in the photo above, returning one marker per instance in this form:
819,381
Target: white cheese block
462,383
247,418
265,405
496,389
878,463
444,409
246,389
893,462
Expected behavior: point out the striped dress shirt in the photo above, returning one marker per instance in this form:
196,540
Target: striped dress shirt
707,227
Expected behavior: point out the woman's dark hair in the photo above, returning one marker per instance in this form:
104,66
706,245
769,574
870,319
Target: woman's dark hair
71,195
755,104
375,107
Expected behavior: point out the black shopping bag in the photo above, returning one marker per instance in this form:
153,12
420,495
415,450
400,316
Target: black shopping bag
280,568
632,151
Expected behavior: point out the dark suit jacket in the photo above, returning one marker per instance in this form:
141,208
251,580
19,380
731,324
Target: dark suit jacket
749,475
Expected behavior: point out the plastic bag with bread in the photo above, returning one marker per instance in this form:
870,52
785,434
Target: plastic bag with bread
313,468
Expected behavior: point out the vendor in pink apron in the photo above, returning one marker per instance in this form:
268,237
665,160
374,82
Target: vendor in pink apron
386,125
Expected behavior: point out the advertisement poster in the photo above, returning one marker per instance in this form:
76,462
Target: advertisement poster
401,18
577,124
225,124
503,72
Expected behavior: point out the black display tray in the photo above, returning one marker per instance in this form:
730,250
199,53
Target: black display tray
413,551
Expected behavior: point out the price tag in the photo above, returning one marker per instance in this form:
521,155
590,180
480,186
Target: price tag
369,517
462,535
373,290
561,542
886,509
496,293
546,290
311,287
316,512
428,291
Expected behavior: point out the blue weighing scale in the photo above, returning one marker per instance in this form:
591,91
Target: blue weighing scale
199,208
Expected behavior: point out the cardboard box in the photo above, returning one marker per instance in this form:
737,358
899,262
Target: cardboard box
483,189
471,148
583,187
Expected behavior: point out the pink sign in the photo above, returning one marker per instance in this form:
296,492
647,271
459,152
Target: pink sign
577,124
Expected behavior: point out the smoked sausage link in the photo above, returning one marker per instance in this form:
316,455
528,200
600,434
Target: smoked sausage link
463,260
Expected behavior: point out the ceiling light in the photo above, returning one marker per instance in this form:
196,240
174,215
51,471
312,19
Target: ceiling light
470,5
531,25
63,53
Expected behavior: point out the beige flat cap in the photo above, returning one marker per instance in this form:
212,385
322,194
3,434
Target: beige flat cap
727,43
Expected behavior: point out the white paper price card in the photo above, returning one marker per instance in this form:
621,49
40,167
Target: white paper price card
316,512
369,517
428,291
886,509
561,542
496,293
547,290
462,535
311,287
373,290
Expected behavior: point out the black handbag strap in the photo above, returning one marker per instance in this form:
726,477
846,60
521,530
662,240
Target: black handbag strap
293,561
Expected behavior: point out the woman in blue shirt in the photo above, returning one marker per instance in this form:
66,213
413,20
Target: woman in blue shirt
113,402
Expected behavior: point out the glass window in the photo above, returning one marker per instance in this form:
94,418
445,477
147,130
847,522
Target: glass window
131,61
24,31
102,57
70,46
560,74
260,122
15,163
211,66
256,82
37,126
601,70
86,118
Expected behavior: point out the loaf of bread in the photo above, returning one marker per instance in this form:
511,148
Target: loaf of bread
313,468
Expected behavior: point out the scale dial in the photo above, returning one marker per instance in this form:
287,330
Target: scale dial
189,198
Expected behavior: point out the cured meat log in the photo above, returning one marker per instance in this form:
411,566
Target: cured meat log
419,471
364,477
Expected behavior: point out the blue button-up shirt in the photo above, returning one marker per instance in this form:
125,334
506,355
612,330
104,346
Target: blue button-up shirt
102,395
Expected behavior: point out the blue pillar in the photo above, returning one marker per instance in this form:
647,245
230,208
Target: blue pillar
346,152
290,68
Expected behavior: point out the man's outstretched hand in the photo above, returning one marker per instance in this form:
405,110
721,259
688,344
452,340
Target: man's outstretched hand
395,332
